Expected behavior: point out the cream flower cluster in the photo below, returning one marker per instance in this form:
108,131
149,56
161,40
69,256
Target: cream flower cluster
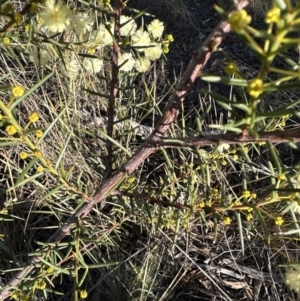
56,16
148,44
143,45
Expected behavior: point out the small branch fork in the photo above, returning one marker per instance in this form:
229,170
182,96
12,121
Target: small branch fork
198,61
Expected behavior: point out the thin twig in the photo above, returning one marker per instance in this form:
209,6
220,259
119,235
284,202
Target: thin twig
292,135
113,88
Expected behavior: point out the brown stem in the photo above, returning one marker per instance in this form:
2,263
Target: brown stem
198,61
113,88
292,135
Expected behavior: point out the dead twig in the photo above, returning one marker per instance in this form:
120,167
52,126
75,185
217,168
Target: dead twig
292,135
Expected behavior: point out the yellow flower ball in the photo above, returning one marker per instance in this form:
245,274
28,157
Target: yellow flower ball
246,194
226,220
17,91
224,162
231,68
214,167
40,169
10,130
281,177
239,19
255,87
165,49
279,220
235,158
91,50
56,16
83,294
37,153
34,117
201,204
38,133
170,38
23,155
6,40
41,284
249,217
273,15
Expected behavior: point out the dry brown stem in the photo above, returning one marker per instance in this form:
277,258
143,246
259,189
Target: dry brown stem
292,135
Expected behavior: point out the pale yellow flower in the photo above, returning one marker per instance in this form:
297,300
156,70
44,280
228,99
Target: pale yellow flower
223,147
249,217
156,28
71,69
41,284
154,52
141,39
83,294
101,37
81,23
126,61
201,204
129,28
39,56
40,168
292,277
281,177
170,38
296,207
142,64
93,65
235,158
166,48
56,16
239,19
6,40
